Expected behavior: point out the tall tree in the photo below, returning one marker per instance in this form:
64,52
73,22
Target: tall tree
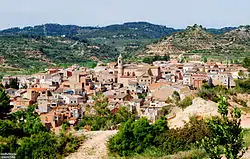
101,105
205,59
5,106
14,83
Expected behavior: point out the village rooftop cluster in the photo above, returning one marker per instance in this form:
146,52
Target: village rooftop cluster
67,94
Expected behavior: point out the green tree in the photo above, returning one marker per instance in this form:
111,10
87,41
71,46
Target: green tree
187,101
246,63
65,126
241,74
14,83
226,134
243,86
9,144
101,105
41,145
205,59
176,97
161,125
8,128
123,115
133,137
5,106
28,120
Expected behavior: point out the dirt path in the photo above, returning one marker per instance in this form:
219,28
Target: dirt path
94,147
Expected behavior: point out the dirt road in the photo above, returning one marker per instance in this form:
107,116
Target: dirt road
94,147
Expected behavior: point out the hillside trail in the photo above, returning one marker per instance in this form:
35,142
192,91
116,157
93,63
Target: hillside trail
95,145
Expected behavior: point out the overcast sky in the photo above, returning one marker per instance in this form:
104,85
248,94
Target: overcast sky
172,13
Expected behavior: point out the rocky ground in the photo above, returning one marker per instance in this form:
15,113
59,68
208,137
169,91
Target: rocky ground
95,145
199,107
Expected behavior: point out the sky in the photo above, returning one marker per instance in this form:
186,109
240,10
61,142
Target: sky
171,13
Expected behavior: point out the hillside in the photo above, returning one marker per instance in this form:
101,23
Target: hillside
134,30
27,52
240,35
51,44
122,38
196,39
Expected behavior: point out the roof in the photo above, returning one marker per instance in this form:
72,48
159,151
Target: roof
73,96
120,95
199,75
146,73
38,89
163,93
59,90
130,66
155,86
132,82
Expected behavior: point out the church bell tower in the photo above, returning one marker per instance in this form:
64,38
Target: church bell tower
120,66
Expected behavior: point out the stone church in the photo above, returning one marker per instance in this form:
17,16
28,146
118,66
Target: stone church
142,74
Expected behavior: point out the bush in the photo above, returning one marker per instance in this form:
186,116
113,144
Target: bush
65,125
226,133
182,139
213,92
243,86
187,101
239,101
139,137
135,137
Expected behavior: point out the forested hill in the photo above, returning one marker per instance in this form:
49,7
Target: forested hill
52,44
136,30
131,30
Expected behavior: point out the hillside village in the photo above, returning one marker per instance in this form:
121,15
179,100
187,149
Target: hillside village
125,80
68,94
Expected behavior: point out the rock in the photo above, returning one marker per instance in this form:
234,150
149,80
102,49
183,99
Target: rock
199,107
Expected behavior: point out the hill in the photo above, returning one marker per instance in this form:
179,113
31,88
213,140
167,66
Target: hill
197,40
123,38
27,52
136,30
52,44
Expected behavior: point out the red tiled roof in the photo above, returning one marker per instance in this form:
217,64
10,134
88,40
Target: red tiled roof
37,89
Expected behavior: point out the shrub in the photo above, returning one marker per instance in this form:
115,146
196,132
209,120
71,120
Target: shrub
226,133
157,139
134,137
182,139
187,101
213,92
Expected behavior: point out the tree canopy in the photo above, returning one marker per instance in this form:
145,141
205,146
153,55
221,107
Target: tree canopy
5,106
